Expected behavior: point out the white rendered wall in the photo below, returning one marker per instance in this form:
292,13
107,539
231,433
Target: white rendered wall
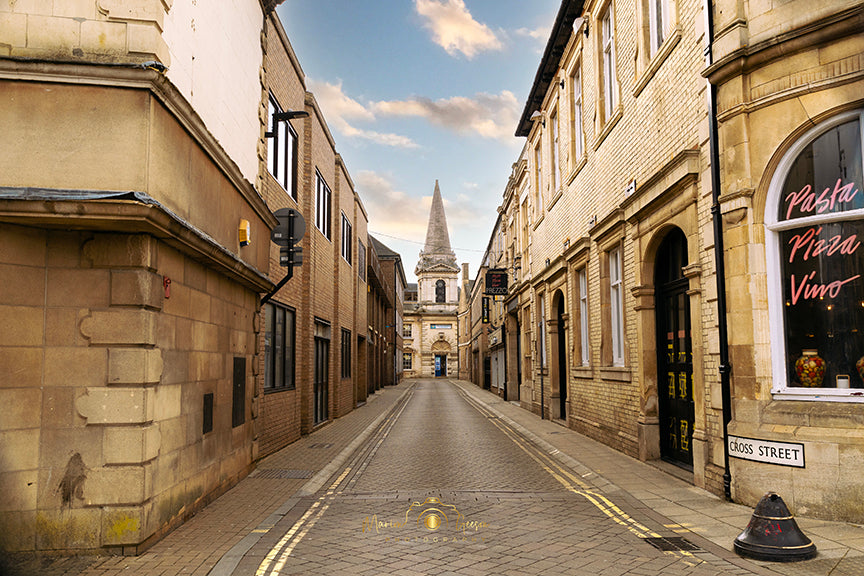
215,62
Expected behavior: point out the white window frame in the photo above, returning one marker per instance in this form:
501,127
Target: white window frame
554,151
607,44
776,321
541,329
407,330
538,176
658,24
616,305
582,275
577,131
323,200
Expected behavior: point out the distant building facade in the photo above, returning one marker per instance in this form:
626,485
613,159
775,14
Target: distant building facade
430,342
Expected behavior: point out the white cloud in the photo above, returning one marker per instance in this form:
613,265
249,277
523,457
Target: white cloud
454,28
339,108
392,211
488,115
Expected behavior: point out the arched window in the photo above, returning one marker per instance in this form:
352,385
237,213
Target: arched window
814,223
440,291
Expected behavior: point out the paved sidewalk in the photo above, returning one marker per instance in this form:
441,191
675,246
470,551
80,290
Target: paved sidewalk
198,545
700,516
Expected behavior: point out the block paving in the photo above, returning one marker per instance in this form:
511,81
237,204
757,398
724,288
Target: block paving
517,495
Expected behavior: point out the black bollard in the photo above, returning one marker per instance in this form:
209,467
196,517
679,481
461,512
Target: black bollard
773,534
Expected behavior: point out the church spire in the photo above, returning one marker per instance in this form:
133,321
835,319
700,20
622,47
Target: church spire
437,251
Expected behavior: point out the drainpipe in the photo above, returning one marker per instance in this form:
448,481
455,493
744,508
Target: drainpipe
725,368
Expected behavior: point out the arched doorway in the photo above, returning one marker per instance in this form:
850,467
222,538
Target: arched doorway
674,351
440,349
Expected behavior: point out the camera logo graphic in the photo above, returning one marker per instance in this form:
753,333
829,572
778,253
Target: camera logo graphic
433,514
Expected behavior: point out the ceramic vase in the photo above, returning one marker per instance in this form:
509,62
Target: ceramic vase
810,368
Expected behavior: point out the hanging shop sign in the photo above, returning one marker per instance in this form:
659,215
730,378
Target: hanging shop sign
496,282
485,303
768,451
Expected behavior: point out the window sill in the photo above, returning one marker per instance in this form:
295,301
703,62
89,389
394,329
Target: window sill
558,194
607,128
850,395
585,372
268,391
615,373
577,168
657,61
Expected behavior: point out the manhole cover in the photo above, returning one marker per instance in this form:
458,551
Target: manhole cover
283,474
671,544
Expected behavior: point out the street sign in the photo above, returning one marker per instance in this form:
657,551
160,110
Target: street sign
287,234
496,282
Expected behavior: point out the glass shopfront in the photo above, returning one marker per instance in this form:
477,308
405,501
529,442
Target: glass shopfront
816,264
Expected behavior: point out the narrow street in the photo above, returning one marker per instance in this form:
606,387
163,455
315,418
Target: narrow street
444,486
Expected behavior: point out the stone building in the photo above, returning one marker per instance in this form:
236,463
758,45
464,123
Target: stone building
610,323
789,84
430,323
651,177
141,375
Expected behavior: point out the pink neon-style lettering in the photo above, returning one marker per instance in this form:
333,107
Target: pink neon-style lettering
807,201
811,291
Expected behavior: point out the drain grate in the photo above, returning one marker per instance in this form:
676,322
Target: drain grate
672,544
321,445
274,473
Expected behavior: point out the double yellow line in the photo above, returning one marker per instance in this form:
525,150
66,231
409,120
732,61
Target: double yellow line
576,485
279,554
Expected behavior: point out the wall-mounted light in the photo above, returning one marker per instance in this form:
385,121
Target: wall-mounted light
537,114
244,233
578,23
284,117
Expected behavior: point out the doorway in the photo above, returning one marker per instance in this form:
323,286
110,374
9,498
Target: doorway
440,365
562,356
322,380
674,351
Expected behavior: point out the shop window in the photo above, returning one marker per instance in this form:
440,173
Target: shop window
815,226
278,347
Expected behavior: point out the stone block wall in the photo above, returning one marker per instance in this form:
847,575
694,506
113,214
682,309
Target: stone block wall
107,371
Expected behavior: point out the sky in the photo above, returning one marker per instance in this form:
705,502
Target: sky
416,91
